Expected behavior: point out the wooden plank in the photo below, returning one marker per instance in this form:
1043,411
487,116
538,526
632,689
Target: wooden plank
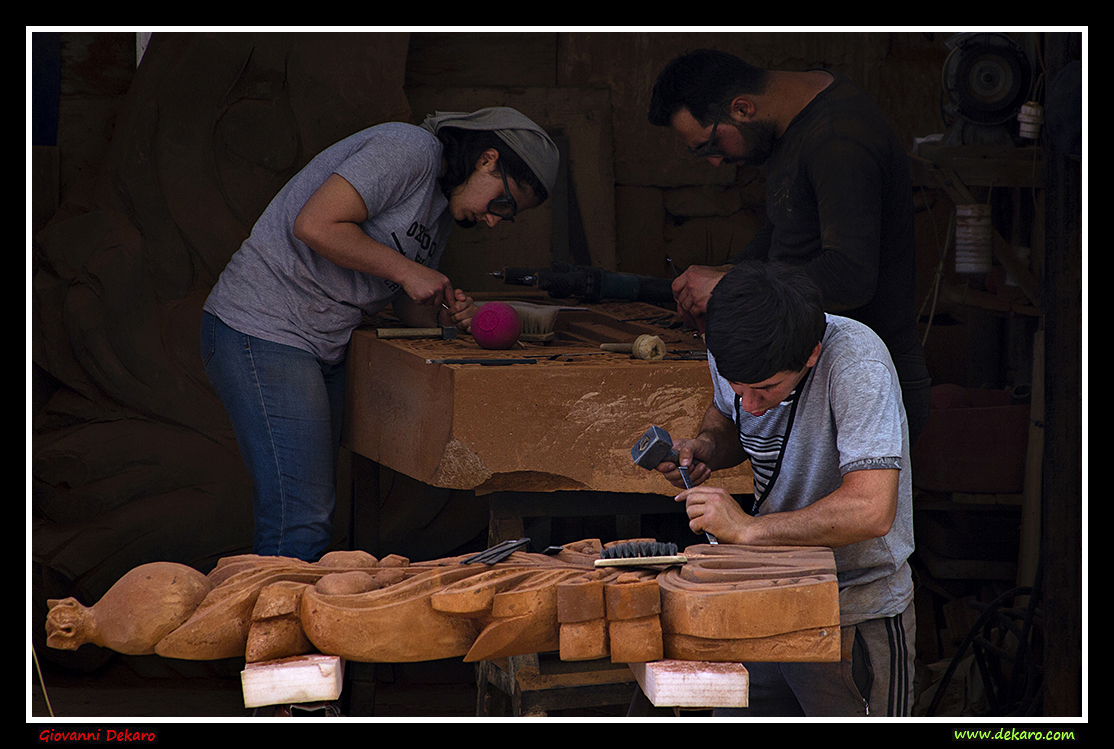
301,679
982,166
693,684
1029,557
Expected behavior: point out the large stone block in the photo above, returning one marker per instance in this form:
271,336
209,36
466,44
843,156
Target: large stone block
563,417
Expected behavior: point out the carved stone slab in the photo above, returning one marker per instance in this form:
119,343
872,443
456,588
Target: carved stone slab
727,603
739,603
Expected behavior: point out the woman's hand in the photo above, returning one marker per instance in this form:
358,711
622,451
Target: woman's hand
329,224
426,286
458,312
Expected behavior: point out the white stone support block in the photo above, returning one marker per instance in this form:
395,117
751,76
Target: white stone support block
693,684
303,678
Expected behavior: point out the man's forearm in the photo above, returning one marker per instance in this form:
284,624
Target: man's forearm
721,439
862,508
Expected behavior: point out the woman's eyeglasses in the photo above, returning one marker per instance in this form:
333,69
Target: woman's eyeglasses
505,207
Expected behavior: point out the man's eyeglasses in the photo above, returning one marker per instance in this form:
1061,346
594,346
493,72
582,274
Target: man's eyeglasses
707,149
505,207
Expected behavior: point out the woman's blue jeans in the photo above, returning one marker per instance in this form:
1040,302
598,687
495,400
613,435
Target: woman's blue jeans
286,408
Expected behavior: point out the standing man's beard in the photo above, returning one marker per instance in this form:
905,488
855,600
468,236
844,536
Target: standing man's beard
759,139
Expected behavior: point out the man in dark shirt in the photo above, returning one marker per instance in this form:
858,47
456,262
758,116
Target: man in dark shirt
838,192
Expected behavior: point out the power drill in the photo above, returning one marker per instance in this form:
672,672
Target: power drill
562,280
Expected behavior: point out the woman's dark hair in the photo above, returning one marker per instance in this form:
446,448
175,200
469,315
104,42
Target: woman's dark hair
463,148
701,81
763,318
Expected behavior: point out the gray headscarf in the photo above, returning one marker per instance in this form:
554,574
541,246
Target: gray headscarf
526,138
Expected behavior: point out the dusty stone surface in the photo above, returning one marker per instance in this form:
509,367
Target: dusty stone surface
564,418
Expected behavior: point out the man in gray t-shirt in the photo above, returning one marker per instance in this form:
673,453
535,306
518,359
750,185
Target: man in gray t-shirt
814,403
844,416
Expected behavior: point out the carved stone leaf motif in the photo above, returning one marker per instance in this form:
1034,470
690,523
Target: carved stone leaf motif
726,603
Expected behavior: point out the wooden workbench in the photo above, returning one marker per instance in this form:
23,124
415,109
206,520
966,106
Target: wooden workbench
562,417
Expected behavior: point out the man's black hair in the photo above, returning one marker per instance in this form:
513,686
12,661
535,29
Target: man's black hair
463,148
701,82
763,318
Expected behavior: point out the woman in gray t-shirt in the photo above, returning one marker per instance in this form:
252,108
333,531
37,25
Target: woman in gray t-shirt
363,225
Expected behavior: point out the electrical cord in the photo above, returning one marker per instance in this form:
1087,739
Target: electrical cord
1032,686
42,683
937,281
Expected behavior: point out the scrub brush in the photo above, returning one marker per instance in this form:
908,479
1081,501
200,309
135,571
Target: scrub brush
538,320
640,553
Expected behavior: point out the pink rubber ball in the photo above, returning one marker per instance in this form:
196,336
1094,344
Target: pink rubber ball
496,325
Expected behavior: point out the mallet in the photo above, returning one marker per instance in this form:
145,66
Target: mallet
656,446
646,347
